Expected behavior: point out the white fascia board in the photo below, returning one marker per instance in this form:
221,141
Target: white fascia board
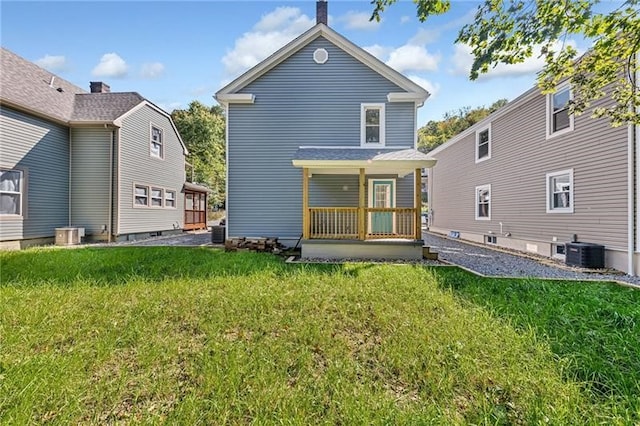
118,121
407,97
321,30
235,98
526,96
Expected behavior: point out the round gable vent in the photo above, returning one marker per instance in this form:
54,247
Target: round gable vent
320,56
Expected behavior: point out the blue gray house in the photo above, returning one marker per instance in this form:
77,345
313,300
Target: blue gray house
321,149
112,164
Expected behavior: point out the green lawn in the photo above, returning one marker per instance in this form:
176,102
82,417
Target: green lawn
195,335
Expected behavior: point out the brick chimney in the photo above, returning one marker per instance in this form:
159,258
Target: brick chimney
321,12
99,87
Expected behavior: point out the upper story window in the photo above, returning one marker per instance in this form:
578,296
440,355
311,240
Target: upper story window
560,192
11,192
558,118
483,202
156,147
372,131
483,144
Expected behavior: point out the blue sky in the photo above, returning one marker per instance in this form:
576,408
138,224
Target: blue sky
175,52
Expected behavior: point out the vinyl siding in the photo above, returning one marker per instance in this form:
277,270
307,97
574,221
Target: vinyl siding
301,103
90,179
138,167
41,148
521,157
342,190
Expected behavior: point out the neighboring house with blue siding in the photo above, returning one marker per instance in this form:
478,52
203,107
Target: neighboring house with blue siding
321,147
111,163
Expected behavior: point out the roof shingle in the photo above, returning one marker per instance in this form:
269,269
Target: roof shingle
104,106
358,154
25,85
29,86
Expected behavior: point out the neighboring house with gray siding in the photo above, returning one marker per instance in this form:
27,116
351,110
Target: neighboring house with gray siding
321,148
531,176
111,163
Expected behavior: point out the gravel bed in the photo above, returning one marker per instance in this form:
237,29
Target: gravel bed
296,259
500,263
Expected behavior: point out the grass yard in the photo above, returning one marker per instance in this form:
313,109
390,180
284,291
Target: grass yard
195,335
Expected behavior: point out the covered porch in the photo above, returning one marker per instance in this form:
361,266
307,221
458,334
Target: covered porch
195,206
380,217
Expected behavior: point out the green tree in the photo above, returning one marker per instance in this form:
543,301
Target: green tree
203,131
509,31
435,133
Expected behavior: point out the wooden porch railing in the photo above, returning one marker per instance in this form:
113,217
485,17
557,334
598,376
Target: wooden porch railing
343,223
333,222
391,223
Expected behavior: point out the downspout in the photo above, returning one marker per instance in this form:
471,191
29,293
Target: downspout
631,198
632,132
70,177
117,180
227,115
110,187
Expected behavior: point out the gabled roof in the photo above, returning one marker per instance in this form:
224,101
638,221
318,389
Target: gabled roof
321,30
25,85
28,87
104,106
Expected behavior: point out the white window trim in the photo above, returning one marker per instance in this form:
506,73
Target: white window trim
140,206
175,199
22,193
550,208
476,201
320,56
162,143
149,189
482,129
363,125
151,197
550,132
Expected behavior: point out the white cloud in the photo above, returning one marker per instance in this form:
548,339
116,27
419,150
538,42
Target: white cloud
359,21
405,19
413,58
152,70
53,62
430,87
273,31
378,51
425,36
111,65
462,61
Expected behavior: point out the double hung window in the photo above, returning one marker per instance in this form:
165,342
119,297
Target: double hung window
11,192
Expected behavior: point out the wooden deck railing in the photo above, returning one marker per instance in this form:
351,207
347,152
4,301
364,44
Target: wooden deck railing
379,223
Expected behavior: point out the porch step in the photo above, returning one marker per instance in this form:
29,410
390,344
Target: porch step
428,254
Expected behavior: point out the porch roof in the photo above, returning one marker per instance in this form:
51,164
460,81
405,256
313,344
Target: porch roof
400,161
190,186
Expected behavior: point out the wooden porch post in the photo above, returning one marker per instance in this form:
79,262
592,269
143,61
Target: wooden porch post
362,232
418,203
305,203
